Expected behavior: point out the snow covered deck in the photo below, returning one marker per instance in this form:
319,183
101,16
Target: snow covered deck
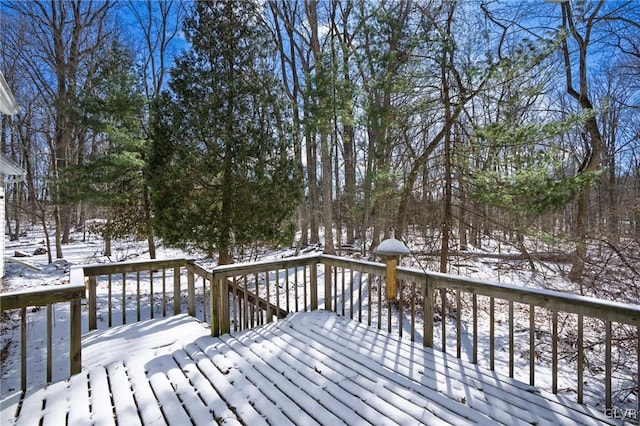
310,368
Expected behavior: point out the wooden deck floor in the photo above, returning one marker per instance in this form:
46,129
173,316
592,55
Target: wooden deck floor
311,368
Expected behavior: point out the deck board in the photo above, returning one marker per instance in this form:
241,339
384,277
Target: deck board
100,403
310,368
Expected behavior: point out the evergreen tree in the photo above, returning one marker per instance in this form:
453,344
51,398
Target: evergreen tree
112,176
527,173
221,165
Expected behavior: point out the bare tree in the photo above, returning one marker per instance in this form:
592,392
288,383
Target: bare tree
60,41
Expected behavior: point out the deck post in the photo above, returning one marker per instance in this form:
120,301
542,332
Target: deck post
92,302
328,294
225,323
75,333
428,314
191,291
177,302
214,302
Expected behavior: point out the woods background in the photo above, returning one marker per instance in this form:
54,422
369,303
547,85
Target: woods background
452,122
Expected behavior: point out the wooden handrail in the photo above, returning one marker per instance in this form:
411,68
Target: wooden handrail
41,296
47,296
597,308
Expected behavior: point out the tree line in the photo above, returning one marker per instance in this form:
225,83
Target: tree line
227,125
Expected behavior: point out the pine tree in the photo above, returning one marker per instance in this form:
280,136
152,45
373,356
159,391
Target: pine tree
526,173
222,170
110,111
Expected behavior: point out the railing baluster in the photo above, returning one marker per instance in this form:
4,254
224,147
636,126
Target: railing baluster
342,297
138,295
245,306
234,284
492,334
443,313
164,292
399,305
379,301
256,300
413,311
608,366
532,345
295,288
49,341
335,289
474,298
267,284
109,301
554,352
580,359
359,296
204,299
327,287
151,301
124,298
277,276
350,293
511,338
23,349
458,324
304,288
369,298
286,288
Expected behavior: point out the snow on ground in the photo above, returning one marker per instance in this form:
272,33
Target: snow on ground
34,272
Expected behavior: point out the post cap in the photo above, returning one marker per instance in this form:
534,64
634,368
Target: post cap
392,247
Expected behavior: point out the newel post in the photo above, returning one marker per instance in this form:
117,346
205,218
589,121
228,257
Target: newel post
75,332
223,308
427,314
92,304
214,301
177,298
191,292
391,250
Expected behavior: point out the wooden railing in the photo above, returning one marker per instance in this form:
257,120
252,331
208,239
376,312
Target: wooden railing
353,288
423,294
240,296
47,297
122,281
254,293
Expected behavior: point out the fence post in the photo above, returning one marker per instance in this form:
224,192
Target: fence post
313,285
75,332
92,302
191,293
177,301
